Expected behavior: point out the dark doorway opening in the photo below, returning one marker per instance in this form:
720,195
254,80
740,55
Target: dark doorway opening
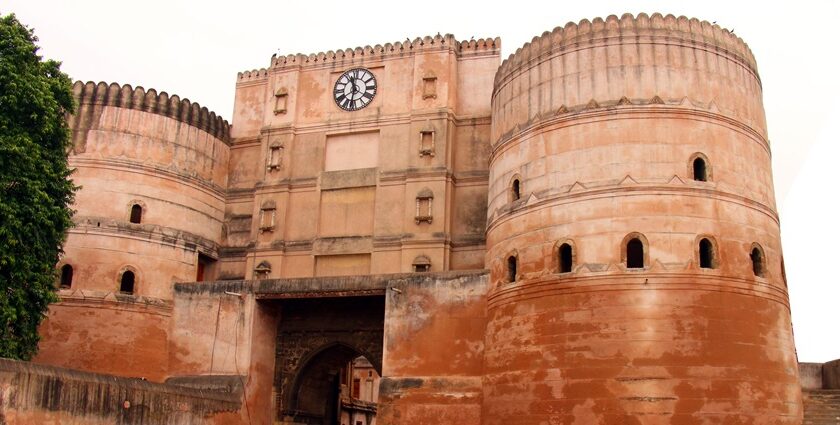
136,214
66,276
700,173
707,254
127,282
565,253
511,269
205,269
329,359
635,254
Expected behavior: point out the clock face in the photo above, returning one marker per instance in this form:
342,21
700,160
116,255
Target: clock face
355,89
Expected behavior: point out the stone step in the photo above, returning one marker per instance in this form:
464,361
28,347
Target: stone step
821,407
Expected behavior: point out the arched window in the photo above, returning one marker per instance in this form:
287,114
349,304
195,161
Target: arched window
66,276
564,254
635,254
707,254
511,269
757,257
136,213
127,282
699,167
699,170
514,190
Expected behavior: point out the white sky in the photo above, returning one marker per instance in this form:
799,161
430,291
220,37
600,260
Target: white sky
195,48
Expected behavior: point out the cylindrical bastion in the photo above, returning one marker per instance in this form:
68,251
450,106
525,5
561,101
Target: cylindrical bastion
633,239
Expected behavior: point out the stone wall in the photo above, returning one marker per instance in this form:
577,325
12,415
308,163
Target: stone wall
831,375
811,376
168,157
38,394
820,376
433,361
431,353
319,191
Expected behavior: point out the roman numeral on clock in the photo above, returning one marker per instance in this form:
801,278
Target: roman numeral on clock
354,89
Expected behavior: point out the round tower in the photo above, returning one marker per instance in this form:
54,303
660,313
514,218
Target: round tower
633,238
152,170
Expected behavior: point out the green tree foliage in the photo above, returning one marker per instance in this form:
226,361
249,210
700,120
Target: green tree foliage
35,189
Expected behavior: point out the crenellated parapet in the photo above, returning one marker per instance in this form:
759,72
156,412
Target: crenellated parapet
151,101
680,30
252,75
643,57
472,47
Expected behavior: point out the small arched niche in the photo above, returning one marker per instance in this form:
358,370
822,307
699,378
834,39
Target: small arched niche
515,191
136,214
128,280
511,269
707,257
759,265
66,278
262,271
565,253
634,251
699,167
421,264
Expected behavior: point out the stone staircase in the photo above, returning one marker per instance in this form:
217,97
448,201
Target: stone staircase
822,407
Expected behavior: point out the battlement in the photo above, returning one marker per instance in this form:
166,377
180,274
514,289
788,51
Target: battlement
472,47
162,103
676,29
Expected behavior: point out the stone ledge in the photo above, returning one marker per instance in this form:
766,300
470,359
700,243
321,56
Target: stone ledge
325,286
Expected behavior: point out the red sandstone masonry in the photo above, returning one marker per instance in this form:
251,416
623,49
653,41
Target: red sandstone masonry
31,394
599,122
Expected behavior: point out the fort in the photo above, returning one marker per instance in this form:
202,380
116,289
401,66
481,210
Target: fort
421,233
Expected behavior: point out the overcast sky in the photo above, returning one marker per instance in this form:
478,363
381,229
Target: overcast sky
195,48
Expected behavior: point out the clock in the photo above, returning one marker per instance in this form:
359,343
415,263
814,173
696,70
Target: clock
355,89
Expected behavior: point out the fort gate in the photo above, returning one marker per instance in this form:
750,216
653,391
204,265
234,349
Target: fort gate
585,232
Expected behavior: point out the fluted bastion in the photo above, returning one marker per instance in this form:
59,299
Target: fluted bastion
633,239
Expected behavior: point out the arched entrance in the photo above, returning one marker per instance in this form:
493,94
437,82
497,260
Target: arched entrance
329,388
323,346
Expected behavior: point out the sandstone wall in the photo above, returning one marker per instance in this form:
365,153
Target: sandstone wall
599,123
277,333
434,351
335,192
36,394
134,148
